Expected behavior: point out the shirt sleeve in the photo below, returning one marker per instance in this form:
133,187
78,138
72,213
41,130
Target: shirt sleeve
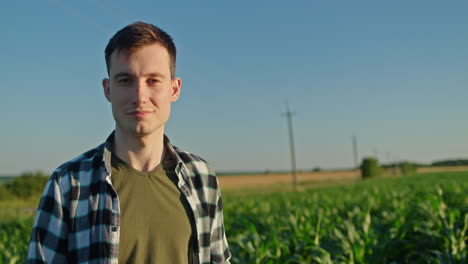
219,246
48,242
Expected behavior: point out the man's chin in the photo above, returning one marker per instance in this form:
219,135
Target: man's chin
143,131
138,130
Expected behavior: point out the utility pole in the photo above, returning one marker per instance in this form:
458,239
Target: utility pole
355,151
289,114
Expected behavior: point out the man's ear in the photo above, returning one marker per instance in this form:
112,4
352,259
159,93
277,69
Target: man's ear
176,86
106,87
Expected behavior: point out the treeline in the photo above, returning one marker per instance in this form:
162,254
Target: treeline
458,162
27,185
370,167
404,163
442,163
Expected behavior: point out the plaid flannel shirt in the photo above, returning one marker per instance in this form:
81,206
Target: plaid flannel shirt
78,218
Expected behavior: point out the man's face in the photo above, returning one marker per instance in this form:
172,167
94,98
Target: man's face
141,90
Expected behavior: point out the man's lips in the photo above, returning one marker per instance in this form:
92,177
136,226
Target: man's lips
139,113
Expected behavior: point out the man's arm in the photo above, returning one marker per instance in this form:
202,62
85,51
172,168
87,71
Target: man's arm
219,246
49,238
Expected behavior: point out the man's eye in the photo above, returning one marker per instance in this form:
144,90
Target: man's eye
124,80
152,81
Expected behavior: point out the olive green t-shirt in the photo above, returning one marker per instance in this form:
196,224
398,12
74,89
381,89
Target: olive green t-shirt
156,225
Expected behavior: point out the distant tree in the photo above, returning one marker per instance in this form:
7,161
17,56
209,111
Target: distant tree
28,184
316,169
407,168
370,168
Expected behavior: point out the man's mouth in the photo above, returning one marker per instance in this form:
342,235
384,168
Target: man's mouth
139,114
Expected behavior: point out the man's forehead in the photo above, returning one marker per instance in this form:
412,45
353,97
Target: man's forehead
123,59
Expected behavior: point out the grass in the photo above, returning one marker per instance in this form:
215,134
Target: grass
17,209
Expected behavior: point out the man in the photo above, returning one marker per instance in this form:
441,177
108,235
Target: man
135,198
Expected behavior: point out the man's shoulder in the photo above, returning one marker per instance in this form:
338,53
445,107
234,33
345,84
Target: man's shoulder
194,163
87,161
202,174
188,157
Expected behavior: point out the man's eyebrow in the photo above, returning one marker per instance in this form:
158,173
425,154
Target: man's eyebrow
154,74
122,74
126,74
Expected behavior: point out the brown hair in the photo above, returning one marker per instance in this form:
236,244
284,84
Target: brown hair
135,36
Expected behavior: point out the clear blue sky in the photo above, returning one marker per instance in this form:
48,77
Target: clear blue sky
394,73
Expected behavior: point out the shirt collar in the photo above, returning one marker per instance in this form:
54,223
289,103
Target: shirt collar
180,167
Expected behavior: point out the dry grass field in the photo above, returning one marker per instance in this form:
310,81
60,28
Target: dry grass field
261,180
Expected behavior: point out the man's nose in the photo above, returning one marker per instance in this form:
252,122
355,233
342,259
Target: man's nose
140,94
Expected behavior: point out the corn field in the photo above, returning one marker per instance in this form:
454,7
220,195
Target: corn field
14,238
414,219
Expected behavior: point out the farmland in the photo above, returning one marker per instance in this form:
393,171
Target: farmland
415,219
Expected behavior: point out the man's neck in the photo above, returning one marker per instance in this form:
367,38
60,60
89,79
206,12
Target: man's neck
142,153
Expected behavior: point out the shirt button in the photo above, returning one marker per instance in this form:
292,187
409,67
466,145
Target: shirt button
114,229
